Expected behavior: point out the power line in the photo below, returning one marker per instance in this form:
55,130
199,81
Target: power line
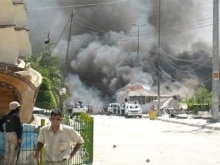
61,34
75,6
176,67
167,75
178,59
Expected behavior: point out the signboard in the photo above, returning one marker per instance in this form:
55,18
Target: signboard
216,75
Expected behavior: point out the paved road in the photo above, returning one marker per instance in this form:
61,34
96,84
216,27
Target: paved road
162,143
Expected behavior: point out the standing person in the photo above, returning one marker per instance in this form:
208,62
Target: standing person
56,139
13,133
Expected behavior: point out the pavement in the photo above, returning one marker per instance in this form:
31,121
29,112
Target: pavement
200,123
189,120
117,141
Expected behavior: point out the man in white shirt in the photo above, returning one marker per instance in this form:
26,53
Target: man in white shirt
57,139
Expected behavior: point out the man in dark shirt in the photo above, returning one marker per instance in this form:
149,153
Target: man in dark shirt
13,133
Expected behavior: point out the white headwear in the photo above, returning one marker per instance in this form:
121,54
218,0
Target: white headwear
13,105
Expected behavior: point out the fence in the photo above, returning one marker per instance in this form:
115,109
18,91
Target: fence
83,124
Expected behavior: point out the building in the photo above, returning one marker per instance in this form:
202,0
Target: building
139,94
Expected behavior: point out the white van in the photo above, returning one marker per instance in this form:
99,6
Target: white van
133,110
113,108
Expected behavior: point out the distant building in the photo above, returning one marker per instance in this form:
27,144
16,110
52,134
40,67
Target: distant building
139,94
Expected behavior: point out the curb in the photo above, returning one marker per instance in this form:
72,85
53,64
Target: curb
202,126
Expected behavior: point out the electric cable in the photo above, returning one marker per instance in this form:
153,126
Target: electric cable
174,66
72,6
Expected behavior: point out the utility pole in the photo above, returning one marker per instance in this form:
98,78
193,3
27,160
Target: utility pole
63,89
215,63
158,62
68,45
138,37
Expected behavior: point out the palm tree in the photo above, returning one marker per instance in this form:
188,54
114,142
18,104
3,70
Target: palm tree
48,66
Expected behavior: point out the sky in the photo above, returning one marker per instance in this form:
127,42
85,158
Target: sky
104,57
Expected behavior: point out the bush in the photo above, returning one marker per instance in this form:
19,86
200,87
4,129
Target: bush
45,98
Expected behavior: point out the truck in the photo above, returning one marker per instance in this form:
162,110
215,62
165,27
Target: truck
132,110
77,108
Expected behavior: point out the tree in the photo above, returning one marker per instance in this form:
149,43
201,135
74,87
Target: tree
203,95
48,66
200,101
45,98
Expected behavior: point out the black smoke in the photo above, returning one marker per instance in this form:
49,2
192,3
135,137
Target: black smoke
103,56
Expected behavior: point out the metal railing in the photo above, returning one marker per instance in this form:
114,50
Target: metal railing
84,124
29,138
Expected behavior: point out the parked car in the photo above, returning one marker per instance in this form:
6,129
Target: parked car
113,108
133,110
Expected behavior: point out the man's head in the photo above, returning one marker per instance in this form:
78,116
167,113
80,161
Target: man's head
55,117
14,105
56,112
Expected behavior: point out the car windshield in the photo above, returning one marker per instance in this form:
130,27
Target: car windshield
133,106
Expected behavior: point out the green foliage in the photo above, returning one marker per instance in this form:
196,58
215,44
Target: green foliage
45,98
44,72
202,95
201,101
48,66
45,84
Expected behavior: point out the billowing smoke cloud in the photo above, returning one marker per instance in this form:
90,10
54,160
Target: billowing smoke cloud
104,56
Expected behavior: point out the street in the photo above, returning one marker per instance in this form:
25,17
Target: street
134,141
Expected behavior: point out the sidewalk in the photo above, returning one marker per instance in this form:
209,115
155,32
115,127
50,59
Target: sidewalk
200,123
